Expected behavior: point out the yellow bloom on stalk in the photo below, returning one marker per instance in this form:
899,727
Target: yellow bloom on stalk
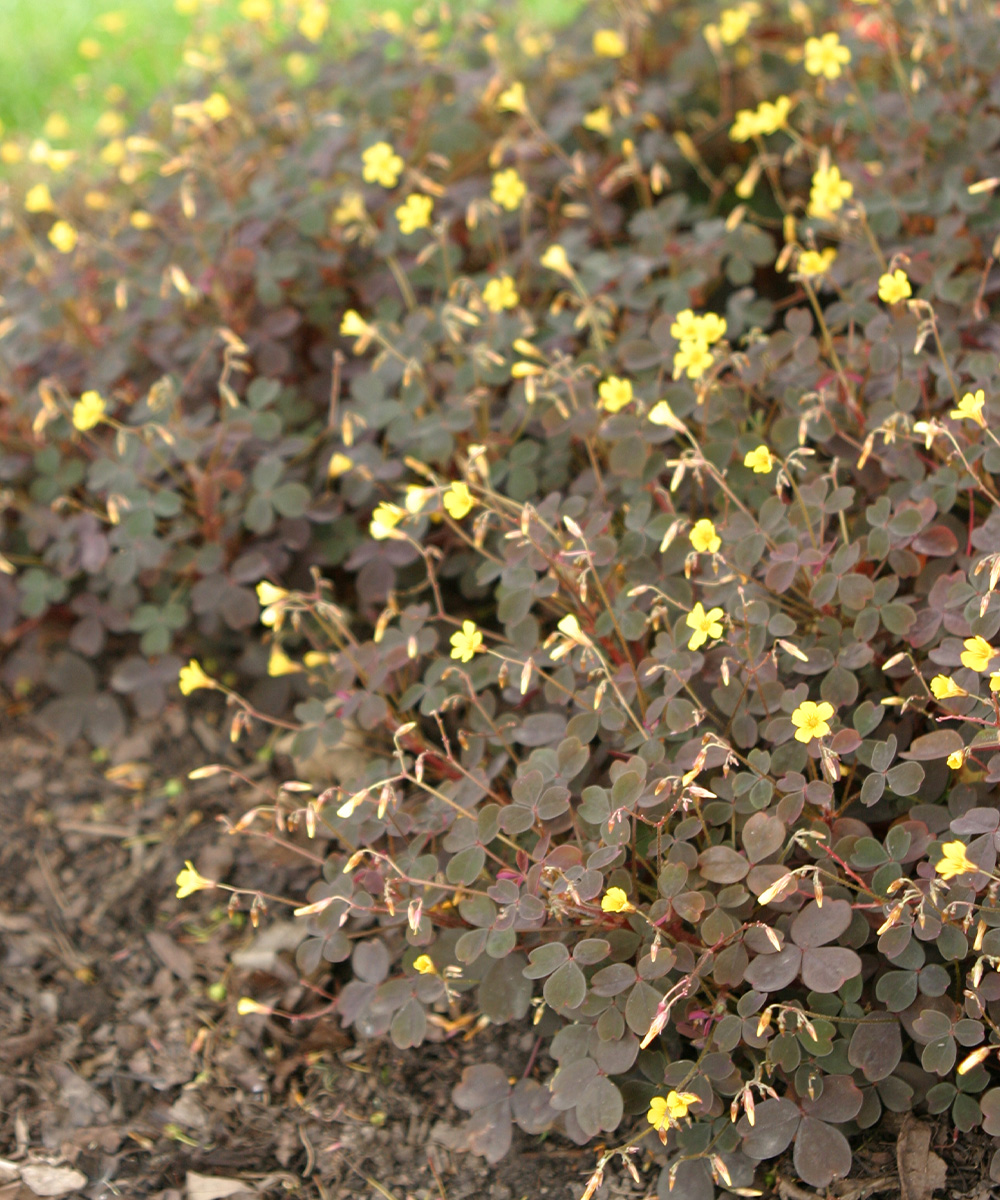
339,464
614,900
500,293
384,520
88,411
956,760
466,642
555,259
767,118
760,461
970,407
814,263
352,324
828,192
954,861
256,10
38,199
141,219
733,23
111,22
189,881
826,56
704,538
810,720
615,393
608,43
893,288
279,664
64,237
995,682
977,653
512,99
663,1111
707,329
11,152
268,594
423,965
692,359
382,165
458,501
217,107
945,688
599,121
705,625
350,210
313,22
89,48
109,124
508,189
414,213
192,678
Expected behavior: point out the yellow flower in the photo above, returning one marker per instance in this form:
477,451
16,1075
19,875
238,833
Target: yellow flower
11,152
814,263
970,407
256,10
693,358
141,219
63,236
113,153
599,121
56,126
339,464
192,678
704,538
512,99
615,393
38,199
417,497
217,107
521,370
280,664
508,189
500,293
458,501
352,324
810,720
350,210
111,22
977,653
267,593
665,1110
109,124
97,200
745,127
88,411
189,881
246,1007
760,461
944,688
555,259
466,641
414,213
313,22
608,43
893,288
826,56
614,900
733,24
768,118
384,520
706,329
828,192
705,625
423,965
382,165
89,48
995,682
662,414
954,861
956,760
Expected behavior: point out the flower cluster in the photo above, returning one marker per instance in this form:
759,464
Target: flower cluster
696,335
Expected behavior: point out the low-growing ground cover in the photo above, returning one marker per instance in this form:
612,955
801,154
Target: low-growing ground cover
580,451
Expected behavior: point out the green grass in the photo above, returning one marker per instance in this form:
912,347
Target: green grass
43,71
